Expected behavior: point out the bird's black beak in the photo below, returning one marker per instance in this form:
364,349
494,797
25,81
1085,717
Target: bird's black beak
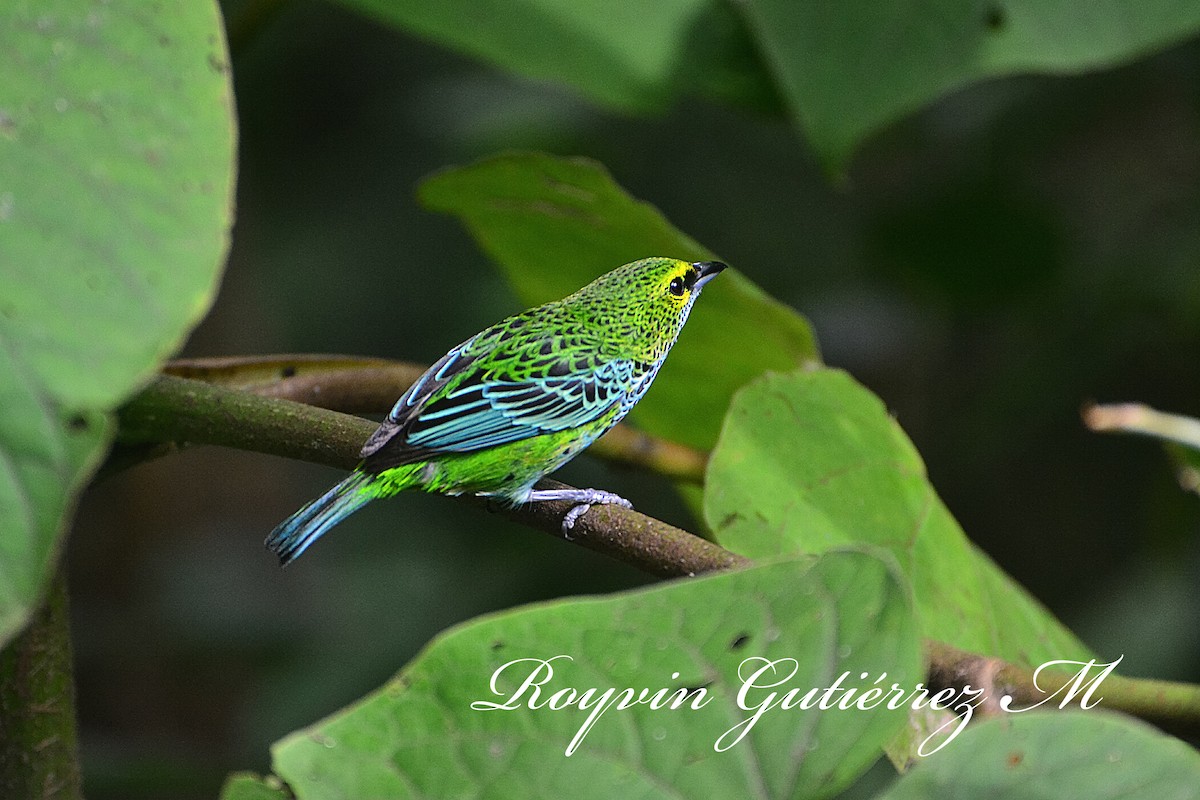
708,270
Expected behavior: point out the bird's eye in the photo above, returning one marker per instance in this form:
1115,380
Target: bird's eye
676,287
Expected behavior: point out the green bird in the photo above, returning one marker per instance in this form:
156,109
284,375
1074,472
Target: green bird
519,399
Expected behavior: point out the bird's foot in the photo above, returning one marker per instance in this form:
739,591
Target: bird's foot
597,498
583,498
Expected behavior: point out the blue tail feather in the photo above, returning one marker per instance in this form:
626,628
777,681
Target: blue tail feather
293,536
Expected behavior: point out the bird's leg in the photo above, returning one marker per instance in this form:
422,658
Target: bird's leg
585,498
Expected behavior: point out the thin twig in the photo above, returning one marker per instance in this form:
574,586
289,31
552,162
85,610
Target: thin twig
1180,435
1139,418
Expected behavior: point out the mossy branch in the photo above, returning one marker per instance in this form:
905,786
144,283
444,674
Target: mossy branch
180,410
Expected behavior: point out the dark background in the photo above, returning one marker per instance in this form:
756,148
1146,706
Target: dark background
985,266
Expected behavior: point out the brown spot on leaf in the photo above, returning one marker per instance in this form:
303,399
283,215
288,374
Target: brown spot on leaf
728,520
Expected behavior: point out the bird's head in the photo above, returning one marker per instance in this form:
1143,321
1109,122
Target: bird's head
676,284
653,295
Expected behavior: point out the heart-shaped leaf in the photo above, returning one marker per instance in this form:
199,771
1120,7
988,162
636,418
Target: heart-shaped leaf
810,461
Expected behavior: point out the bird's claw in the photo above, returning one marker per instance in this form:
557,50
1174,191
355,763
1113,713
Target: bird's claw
596,498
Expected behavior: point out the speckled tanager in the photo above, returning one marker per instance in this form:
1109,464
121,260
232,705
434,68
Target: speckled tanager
519,399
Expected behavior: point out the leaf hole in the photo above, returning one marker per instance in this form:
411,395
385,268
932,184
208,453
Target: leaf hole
78,423
996,19
287,372
740,641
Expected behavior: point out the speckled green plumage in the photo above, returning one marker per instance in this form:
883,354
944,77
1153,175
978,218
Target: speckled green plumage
520,399
491,471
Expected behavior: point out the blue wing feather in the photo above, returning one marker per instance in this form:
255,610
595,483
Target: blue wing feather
433,379
498,412
486,410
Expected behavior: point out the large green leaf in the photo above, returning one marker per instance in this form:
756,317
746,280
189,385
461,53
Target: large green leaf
628,56
554,224
848,69
1070,755
116,174
420,735
812,461
620,54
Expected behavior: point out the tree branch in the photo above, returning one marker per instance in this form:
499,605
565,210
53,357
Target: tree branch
371,386
180,410
39,757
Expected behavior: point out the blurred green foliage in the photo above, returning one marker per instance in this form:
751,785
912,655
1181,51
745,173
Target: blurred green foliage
845,71
984,265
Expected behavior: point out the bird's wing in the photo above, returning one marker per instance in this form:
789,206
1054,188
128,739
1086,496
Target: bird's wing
488,407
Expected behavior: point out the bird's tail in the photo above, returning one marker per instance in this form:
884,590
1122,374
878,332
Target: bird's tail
293,536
